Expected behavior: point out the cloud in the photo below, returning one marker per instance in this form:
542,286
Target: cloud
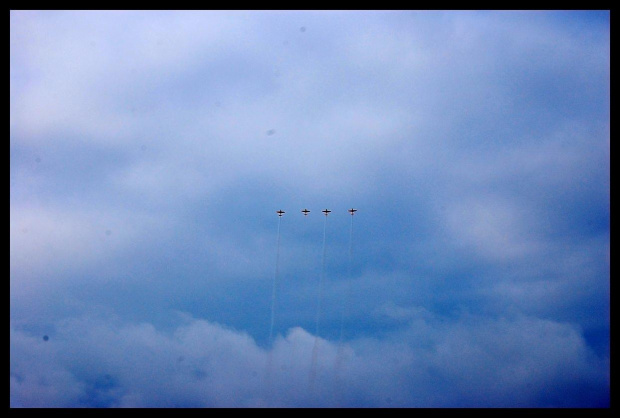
475,361
150,151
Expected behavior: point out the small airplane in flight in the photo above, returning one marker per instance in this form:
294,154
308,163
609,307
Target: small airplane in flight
305,212
326,212
280,212
352,211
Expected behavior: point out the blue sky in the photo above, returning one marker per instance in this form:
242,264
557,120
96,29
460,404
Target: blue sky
149,152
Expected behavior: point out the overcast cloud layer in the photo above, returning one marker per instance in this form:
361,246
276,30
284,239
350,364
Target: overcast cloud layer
150,150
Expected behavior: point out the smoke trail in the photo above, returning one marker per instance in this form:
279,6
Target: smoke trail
274,294
274,298
343,313
315,348
347,300
294,342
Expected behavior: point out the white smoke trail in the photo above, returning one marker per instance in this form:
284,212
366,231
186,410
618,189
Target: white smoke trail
274,292
294,342
274,298
343,314
315,348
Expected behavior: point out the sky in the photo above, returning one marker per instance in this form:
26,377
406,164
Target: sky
150,151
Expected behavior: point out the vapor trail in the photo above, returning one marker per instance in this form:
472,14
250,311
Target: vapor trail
274,298
294,343
343,313
274,293
347,300
315,348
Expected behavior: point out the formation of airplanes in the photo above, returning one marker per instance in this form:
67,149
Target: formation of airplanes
326,212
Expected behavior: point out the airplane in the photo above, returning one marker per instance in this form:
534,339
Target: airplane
305,212
352,211
326,212
280,212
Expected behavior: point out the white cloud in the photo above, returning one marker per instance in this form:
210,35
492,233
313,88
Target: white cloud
486,135
470,362
496,229
69,67
51,244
